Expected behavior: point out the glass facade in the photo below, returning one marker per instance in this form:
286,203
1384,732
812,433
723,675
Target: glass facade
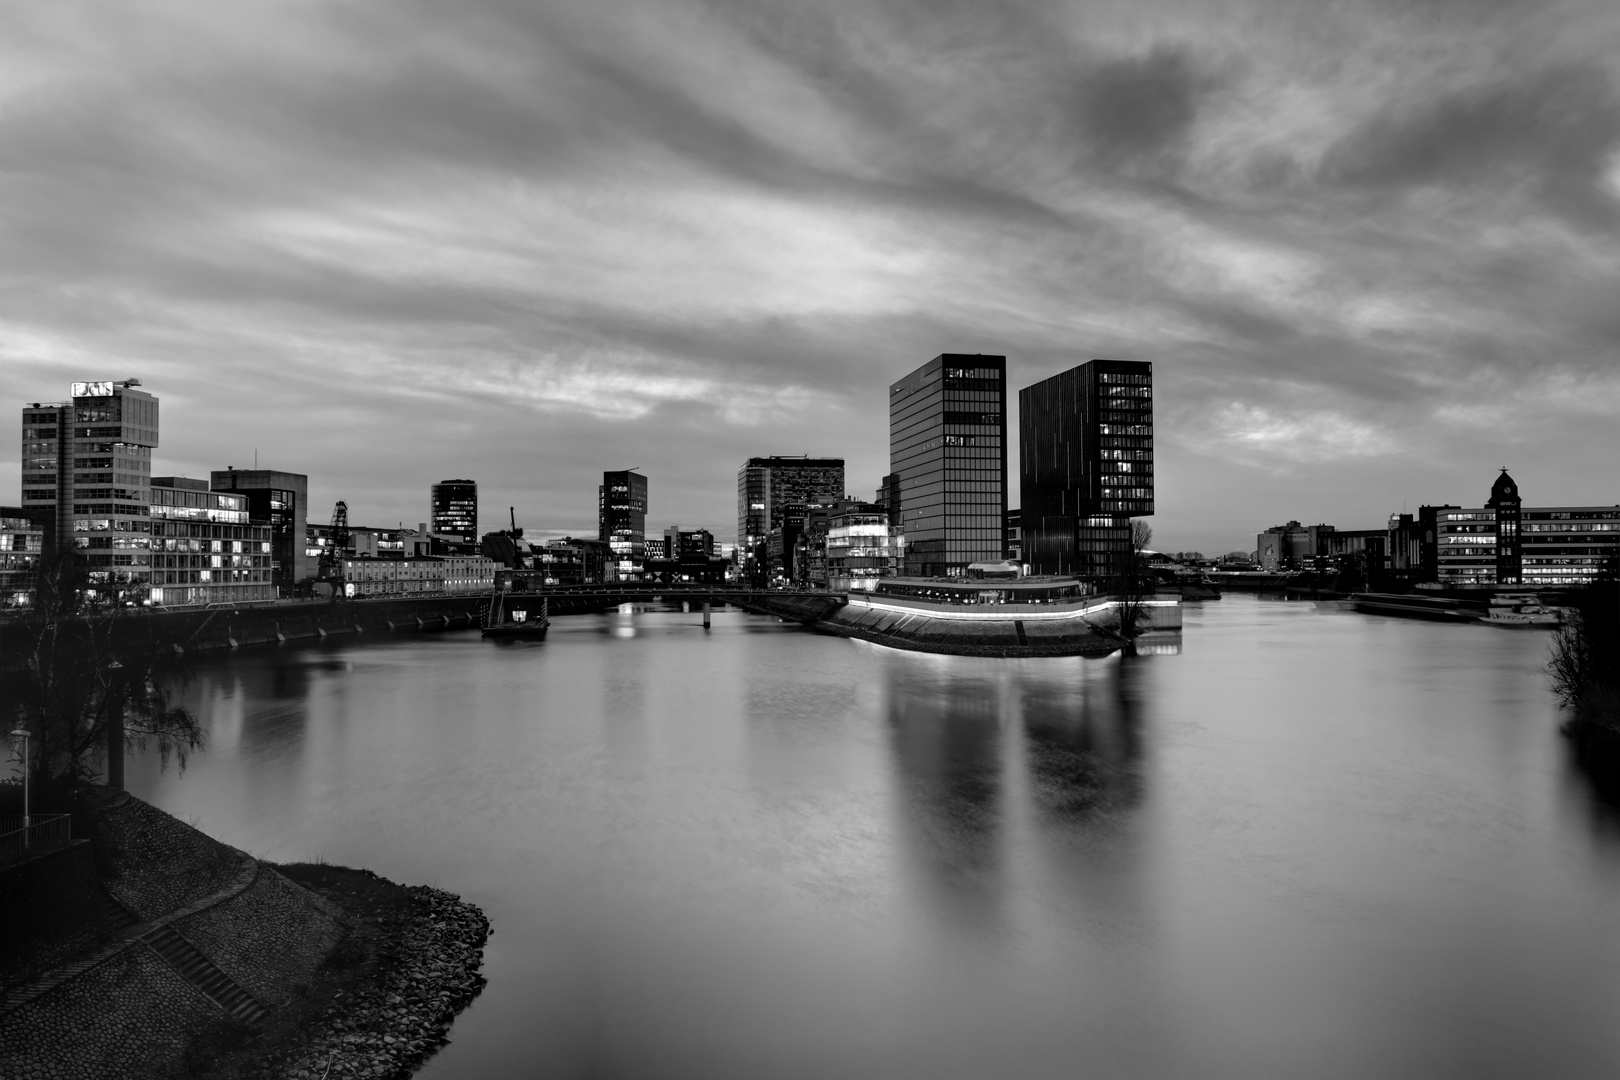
948,453
21,543
768,491
861,548
622,520
204,547
280,498
87,464
1085,465
453,509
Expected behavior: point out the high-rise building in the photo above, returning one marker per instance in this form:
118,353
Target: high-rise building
87,476
1086,465
282,500
622,519
453,509
948,453
766,487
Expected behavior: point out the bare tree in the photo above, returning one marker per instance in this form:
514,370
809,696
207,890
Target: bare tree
1133,581
1585,662
89,679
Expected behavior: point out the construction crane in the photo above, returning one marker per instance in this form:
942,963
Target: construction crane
330,566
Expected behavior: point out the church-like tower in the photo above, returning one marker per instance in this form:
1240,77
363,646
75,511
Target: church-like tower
1509,557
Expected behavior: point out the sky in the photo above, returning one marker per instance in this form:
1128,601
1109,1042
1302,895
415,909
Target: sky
1370,246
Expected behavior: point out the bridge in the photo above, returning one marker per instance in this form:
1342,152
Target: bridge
801,605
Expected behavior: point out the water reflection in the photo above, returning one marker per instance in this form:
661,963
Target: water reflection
1084,739
945,740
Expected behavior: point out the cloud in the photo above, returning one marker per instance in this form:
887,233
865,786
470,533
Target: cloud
385,242
1553,131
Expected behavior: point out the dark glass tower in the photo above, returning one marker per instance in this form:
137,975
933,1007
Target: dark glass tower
622,519
453,508
1086,465
948,454
766,487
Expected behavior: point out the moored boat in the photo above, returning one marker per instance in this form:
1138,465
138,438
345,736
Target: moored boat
1522,613
518,624
1408,606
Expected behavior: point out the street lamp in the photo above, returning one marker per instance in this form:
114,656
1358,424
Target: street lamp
22,733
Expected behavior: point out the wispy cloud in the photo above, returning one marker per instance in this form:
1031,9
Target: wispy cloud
384,242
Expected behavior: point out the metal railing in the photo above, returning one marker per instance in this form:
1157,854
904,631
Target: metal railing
44,833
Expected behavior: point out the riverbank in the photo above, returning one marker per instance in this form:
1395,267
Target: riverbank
384,1001
194,959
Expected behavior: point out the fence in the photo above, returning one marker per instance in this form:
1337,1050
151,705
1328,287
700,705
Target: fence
45,832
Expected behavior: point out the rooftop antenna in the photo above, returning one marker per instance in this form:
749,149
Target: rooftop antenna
255,457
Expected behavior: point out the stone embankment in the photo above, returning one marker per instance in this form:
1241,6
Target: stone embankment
218,950
388,1029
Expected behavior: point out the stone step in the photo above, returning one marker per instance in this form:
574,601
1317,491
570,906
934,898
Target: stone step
115,916
202,973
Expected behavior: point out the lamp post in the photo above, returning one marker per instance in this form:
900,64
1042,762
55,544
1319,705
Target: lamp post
115,730
22,733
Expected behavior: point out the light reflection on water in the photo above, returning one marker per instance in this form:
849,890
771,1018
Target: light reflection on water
1312,844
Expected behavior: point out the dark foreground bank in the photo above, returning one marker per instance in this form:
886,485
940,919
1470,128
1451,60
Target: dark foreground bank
141,947
384,1000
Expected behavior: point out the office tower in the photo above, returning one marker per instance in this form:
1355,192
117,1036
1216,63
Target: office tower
767,486
622,519
453,509
888,497
282,499
86,476
1086,465
948,451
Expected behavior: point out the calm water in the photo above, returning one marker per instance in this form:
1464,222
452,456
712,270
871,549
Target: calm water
1314,844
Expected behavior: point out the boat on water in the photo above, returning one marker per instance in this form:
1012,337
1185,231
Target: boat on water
1408,606
515,624
1522,613
1198,587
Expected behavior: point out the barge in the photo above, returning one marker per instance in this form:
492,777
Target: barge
1407,606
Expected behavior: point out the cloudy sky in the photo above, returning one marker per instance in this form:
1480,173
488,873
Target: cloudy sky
1369,245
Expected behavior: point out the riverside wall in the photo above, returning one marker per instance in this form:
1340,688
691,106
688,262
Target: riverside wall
228,628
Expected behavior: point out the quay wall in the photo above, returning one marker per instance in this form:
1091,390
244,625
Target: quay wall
269,624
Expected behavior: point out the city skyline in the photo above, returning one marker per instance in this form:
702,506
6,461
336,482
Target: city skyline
1365,248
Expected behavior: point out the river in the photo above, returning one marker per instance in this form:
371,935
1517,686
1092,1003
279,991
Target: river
1311,844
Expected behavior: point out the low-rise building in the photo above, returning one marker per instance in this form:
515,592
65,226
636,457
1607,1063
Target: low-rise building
862,547
205,549
383,576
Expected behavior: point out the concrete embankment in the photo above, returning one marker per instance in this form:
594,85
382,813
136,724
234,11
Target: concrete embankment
193,937
1024,631
228,628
